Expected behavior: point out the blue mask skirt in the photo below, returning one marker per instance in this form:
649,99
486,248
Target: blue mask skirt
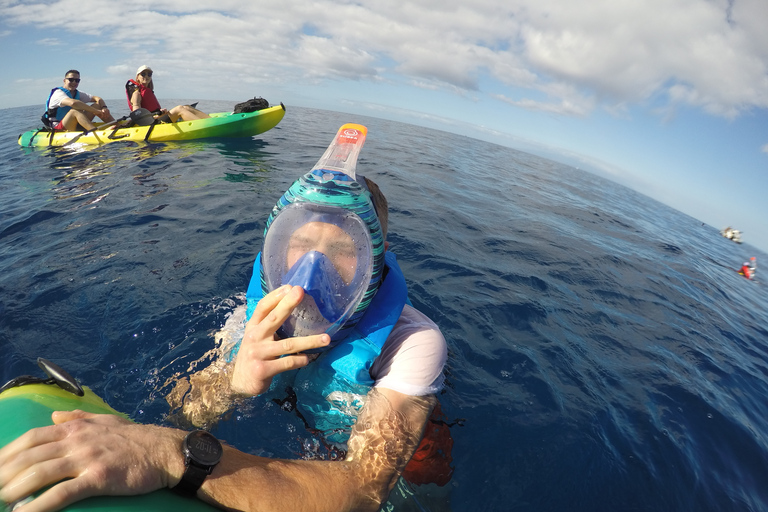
315,273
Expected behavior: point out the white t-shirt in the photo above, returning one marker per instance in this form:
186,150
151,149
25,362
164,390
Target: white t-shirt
412,359
58,96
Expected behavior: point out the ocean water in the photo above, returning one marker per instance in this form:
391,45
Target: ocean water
604,354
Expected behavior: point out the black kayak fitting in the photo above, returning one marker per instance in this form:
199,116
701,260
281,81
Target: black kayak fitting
56,375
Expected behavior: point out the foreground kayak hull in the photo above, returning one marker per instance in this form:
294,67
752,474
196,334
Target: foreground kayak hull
222,124
31,406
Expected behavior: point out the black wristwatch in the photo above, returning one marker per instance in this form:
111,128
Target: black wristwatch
201,452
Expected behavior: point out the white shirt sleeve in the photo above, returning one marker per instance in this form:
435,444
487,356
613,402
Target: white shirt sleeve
412,359
56,98
58,95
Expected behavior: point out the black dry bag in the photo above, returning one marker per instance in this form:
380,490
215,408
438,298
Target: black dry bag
251,105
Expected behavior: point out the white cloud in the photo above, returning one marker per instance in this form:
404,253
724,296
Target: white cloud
325,58
49,41
634,49
121,70
558,56
764,149
564,107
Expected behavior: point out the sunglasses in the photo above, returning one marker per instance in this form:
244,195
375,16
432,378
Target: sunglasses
76,80
147,74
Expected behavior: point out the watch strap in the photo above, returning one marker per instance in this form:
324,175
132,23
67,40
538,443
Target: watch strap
191,480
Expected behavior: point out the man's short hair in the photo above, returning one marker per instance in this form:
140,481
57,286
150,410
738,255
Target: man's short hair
71,71
381,205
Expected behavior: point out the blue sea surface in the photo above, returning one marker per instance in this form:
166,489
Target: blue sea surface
604,354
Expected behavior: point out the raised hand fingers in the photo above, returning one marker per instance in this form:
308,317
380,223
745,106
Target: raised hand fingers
271,312
288,346
284,308
268,303
261,356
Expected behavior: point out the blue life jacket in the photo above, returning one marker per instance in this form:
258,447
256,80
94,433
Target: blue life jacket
330,391
54,115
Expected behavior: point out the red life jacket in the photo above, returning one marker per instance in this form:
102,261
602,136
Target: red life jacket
148,98
432,461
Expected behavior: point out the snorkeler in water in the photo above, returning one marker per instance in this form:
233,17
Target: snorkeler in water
328,317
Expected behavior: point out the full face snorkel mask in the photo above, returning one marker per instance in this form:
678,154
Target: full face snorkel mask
324,235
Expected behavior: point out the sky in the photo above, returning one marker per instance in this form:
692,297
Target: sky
667,97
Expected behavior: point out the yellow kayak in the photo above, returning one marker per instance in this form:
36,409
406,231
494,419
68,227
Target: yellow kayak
222,124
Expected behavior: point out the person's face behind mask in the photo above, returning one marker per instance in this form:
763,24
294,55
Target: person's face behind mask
328,253
329,240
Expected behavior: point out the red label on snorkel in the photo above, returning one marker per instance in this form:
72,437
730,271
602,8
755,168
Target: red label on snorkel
348,136
342,154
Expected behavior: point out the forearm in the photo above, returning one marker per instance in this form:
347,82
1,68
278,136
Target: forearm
247,482
84,107
382,442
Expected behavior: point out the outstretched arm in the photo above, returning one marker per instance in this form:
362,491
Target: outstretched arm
383,440
107,455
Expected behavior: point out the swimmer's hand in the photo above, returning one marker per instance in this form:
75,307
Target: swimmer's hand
86,454
262,355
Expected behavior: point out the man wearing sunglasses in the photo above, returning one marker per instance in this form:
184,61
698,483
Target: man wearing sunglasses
70,109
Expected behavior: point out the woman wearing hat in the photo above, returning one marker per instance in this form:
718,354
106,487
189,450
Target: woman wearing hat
141,94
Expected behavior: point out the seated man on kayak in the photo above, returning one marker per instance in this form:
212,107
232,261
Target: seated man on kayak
330,319
68,108
141,94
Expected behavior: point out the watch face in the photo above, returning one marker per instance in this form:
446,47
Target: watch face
203,448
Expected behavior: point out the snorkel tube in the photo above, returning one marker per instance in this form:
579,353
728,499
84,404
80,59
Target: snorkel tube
330,193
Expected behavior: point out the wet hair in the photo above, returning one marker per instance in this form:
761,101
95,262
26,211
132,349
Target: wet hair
71,71
380,204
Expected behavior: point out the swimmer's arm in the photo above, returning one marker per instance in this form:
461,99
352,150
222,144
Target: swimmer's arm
102,454
362,482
